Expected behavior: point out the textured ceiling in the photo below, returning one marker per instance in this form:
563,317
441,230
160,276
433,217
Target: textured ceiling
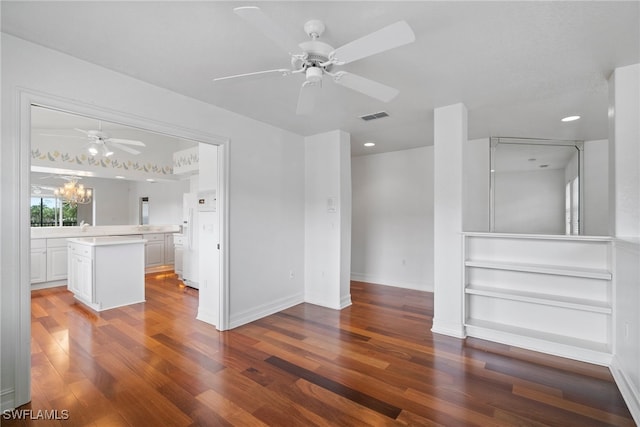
519,67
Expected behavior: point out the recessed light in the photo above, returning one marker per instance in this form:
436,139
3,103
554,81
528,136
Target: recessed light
570,118
119,177
544,166
533,159
151,180
369,144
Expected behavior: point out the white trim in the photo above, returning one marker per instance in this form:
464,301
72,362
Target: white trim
24,99
376,280
207,316
456,330
264,310
582,354
345,301
47,285
6,397
630,395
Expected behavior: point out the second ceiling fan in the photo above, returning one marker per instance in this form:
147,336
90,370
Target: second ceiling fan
318,59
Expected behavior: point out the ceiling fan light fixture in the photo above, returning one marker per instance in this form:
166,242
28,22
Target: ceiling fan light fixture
106,151
314,74
93,150
570,118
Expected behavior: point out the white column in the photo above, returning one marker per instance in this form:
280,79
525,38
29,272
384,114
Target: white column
624,150
624,196
328,219
450,134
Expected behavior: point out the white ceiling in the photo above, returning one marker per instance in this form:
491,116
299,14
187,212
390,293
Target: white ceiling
519,67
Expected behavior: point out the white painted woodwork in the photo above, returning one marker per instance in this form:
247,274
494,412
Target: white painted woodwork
56,259
154,250
169,252
547,293
38,261
106,272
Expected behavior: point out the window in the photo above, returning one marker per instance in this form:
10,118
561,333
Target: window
51,212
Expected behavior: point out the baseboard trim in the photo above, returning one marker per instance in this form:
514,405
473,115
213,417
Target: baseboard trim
207,317
7,399
455,330
541,345
630,395
360,277
47,285
264,310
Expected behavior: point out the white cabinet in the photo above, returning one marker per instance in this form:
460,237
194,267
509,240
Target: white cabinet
56,259
154,250
106,272
80,263
159,252
38,260
169,253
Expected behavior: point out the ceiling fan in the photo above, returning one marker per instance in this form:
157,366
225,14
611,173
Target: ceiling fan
100,142
318,59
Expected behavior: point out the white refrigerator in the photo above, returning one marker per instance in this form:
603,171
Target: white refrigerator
190,257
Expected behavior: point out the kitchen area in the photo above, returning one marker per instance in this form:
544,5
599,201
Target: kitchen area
143,204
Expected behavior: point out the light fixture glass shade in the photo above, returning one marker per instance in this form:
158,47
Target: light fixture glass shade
74,193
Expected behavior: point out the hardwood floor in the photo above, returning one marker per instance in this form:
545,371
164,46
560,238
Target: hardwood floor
374,363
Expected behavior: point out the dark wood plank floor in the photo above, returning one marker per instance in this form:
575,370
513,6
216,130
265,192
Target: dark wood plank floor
374,363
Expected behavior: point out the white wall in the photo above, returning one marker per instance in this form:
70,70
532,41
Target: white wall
165,201
529,202
266,187
392,229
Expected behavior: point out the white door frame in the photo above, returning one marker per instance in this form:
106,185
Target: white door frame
28,98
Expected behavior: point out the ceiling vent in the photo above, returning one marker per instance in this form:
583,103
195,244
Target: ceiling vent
374,116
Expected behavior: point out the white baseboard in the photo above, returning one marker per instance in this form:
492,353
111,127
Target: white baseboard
541,345
207,316
7,399
264,310
630,395
455,330
47,285
361,277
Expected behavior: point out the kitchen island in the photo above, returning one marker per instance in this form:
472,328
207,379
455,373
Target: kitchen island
49,259
106,272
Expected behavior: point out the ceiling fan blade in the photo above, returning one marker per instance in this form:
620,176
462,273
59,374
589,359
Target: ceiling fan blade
307,98
62,136
126,141
282,71
254,16
124,148
369,87
394,35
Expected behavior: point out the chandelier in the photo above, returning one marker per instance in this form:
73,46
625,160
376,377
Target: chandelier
74,193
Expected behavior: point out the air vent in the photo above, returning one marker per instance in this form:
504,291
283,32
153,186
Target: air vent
374,116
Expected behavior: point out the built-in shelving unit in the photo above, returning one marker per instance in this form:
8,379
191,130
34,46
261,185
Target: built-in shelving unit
547,293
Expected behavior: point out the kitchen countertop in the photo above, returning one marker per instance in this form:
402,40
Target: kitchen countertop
107,240
101,230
